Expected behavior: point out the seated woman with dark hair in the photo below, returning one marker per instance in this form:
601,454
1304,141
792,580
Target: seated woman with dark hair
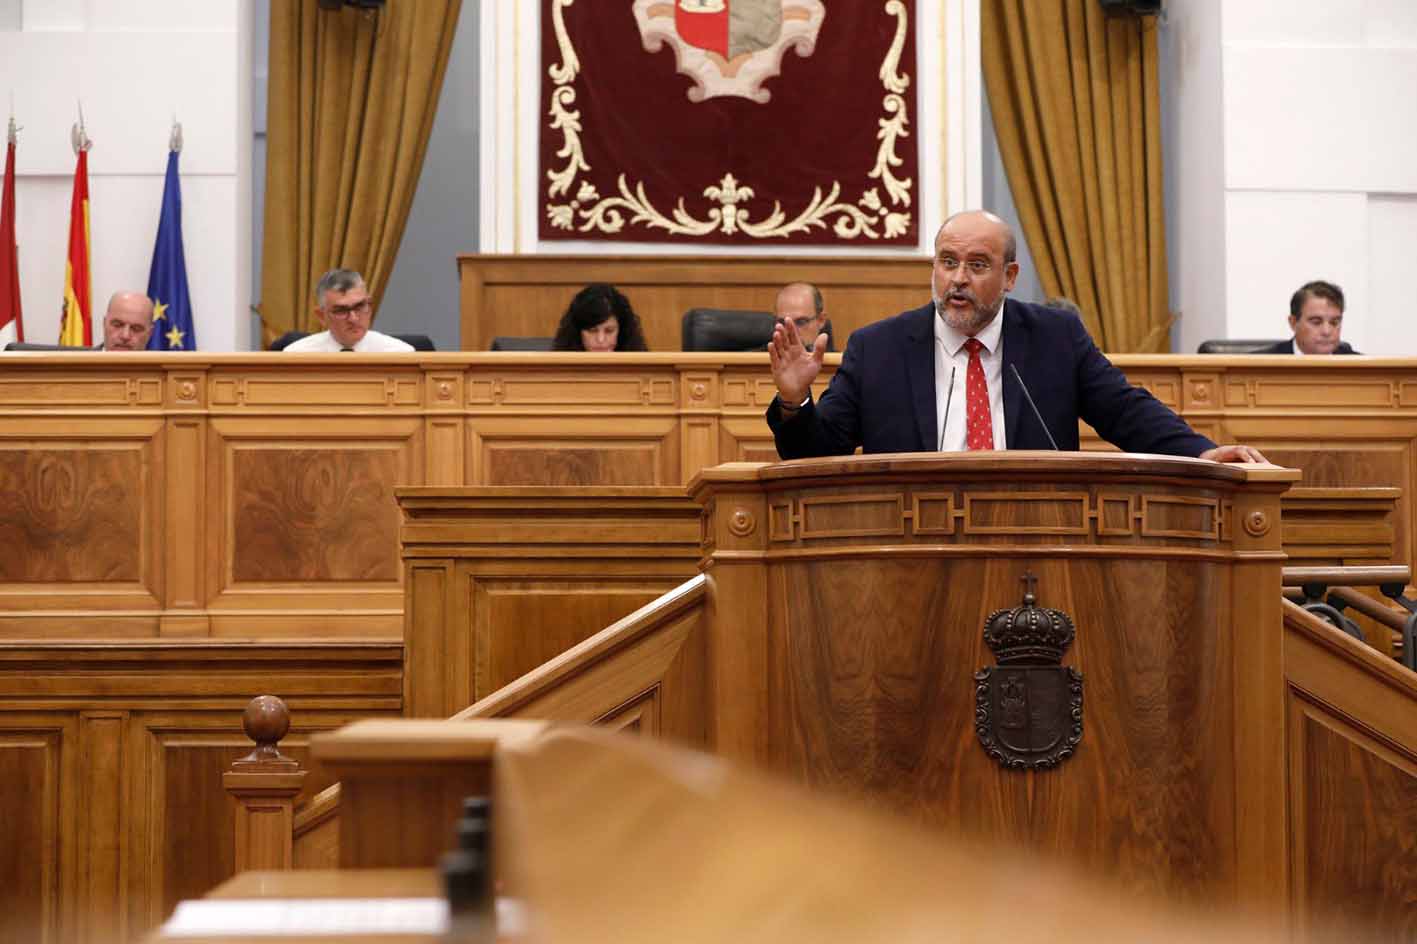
599,319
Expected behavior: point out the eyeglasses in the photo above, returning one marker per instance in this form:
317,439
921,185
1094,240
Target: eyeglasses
349,311
975,266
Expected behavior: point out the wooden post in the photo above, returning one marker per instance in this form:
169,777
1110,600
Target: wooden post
265,784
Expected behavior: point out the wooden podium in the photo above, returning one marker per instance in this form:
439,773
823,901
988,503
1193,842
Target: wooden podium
845,646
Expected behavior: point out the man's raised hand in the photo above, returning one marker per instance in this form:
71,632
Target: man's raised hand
793,366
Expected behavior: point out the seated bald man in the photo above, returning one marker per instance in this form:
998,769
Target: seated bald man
802,302
952,374
128,322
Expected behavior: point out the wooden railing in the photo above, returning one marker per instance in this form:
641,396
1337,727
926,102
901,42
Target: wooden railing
642,673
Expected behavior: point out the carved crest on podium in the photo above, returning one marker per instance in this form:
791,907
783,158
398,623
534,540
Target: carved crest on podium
1028,708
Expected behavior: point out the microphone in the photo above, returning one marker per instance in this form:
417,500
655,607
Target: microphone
1034,407
946,421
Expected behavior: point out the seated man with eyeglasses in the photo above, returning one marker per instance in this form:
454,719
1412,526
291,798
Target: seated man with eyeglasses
342,304
955,374
802,303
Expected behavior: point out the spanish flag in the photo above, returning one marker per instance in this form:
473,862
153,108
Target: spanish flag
76,324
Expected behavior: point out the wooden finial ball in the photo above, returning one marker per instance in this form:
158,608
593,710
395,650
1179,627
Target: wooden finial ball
266,719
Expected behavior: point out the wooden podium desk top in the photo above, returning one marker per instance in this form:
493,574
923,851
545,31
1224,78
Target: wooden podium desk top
321,883
333,883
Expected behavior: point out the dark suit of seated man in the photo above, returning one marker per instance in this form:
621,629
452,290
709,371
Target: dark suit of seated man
1316,318
947,375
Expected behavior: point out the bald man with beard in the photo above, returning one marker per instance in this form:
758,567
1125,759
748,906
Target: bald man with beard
950,375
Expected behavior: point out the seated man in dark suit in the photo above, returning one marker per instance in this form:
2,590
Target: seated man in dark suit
951,374
1316,318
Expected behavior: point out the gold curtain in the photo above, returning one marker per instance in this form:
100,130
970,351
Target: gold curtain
1078,117
352,97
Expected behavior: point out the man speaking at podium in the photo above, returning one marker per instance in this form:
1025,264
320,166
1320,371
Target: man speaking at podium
970,370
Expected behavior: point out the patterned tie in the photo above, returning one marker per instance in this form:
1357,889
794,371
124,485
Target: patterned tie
980,424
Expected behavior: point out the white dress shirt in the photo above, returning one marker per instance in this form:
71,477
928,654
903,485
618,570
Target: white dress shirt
952,430
373,342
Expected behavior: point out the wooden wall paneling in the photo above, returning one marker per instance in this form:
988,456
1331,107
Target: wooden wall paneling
516,625
573,450
503,579
437,653
527,294
102,824
185,545
445,434
1352,786
138,734
1355,852
453,418
1337,451
647,673
83,520
699,408
306,523
39,802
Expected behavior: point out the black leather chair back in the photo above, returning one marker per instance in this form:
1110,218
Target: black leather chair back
509,343
34,346
419,342
287,339
729,329
1228,346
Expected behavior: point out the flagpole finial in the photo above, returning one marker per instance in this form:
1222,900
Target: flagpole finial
174,140
78,135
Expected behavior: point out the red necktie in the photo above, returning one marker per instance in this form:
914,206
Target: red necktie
979,427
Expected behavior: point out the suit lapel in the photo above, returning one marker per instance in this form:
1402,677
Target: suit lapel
920,372
1015,358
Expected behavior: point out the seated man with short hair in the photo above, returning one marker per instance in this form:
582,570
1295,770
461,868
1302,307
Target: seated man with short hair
802,303
343,306
1316,318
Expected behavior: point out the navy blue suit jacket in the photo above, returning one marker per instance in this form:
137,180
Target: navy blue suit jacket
883,395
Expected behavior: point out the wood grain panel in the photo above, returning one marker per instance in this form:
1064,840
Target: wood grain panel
73,515
519,624
573,450
127,800
609,463
1335,460
1360,826
75,386
526,294
648,672
33,785
881,708
560,419
315,515
102,895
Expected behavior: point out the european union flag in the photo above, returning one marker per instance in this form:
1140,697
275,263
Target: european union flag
167,282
